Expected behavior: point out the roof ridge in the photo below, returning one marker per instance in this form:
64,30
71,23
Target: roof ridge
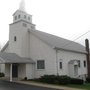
59,42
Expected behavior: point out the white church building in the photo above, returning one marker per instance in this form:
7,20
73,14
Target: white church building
31,53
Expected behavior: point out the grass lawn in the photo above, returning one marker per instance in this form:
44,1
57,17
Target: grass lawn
85,86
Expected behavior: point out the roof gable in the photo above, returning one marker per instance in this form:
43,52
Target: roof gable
58,42
5,46
55,42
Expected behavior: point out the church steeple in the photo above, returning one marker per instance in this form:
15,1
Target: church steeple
22,6
19,31
21,14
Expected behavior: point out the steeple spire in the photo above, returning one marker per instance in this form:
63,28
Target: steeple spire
21,14
22,5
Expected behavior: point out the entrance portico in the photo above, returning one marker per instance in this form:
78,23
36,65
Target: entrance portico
15,66
14,70
73,66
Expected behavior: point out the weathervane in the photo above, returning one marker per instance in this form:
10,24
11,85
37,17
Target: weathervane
22,5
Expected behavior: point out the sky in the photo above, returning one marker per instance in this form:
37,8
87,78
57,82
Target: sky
68,19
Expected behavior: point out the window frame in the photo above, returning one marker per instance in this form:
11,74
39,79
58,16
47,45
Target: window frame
42,66
25,16
15,38
24,25
19,16
15,18
29,18
60,65
84,63
79,63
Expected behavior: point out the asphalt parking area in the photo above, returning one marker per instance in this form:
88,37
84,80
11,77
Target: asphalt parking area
6,85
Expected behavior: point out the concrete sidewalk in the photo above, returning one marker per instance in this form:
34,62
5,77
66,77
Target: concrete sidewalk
47,85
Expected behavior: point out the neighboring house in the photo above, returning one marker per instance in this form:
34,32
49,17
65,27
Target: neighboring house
31,53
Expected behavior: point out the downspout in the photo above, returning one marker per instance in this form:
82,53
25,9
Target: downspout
56,61
87,56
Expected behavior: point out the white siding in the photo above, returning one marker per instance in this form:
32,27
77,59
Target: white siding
41,51
30,71
21,70
2,67
67,56
7,70
21,45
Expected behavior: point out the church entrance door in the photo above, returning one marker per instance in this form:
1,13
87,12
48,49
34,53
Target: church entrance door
14,70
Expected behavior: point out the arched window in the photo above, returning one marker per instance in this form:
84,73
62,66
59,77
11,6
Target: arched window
84,62
60,65
24,16
28,18
15,17
15,38
18,16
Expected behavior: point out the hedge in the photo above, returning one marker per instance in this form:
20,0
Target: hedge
76,81
48,79
61,80
88,79
54,79
2,74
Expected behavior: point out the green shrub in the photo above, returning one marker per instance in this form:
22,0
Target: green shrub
48,79
63,80
25,78
76,81
88,79
2,74
54,79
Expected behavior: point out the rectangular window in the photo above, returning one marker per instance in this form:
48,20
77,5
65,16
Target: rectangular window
60,64
24,16
15,17
28,18
15,38
18,16
79,63
24,24
84,62
40,64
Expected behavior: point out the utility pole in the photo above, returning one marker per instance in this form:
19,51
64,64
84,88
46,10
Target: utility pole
87,56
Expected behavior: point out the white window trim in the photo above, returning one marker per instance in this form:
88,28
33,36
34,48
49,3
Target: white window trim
44,64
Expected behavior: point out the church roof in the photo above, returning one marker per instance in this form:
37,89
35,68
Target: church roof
55,42
5,46
14,58
58,42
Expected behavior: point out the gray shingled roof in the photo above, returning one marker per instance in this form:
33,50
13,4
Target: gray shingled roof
14,58
5,46
58,42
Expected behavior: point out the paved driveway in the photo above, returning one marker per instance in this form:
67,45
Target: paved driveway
5,85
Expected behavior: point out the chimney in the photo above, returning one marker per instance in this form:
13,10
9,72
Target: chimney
87,56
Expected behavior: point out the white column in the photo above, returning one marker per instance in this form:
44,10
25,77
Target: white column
10,72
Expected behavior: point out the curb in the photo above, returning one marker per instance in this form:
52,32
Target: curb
47,85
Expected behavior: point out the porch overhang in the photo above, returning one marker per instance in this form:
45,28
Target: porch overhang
10,58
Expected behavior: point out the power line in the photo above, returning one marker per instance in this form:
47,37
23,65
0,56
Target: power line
81,35
76,38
